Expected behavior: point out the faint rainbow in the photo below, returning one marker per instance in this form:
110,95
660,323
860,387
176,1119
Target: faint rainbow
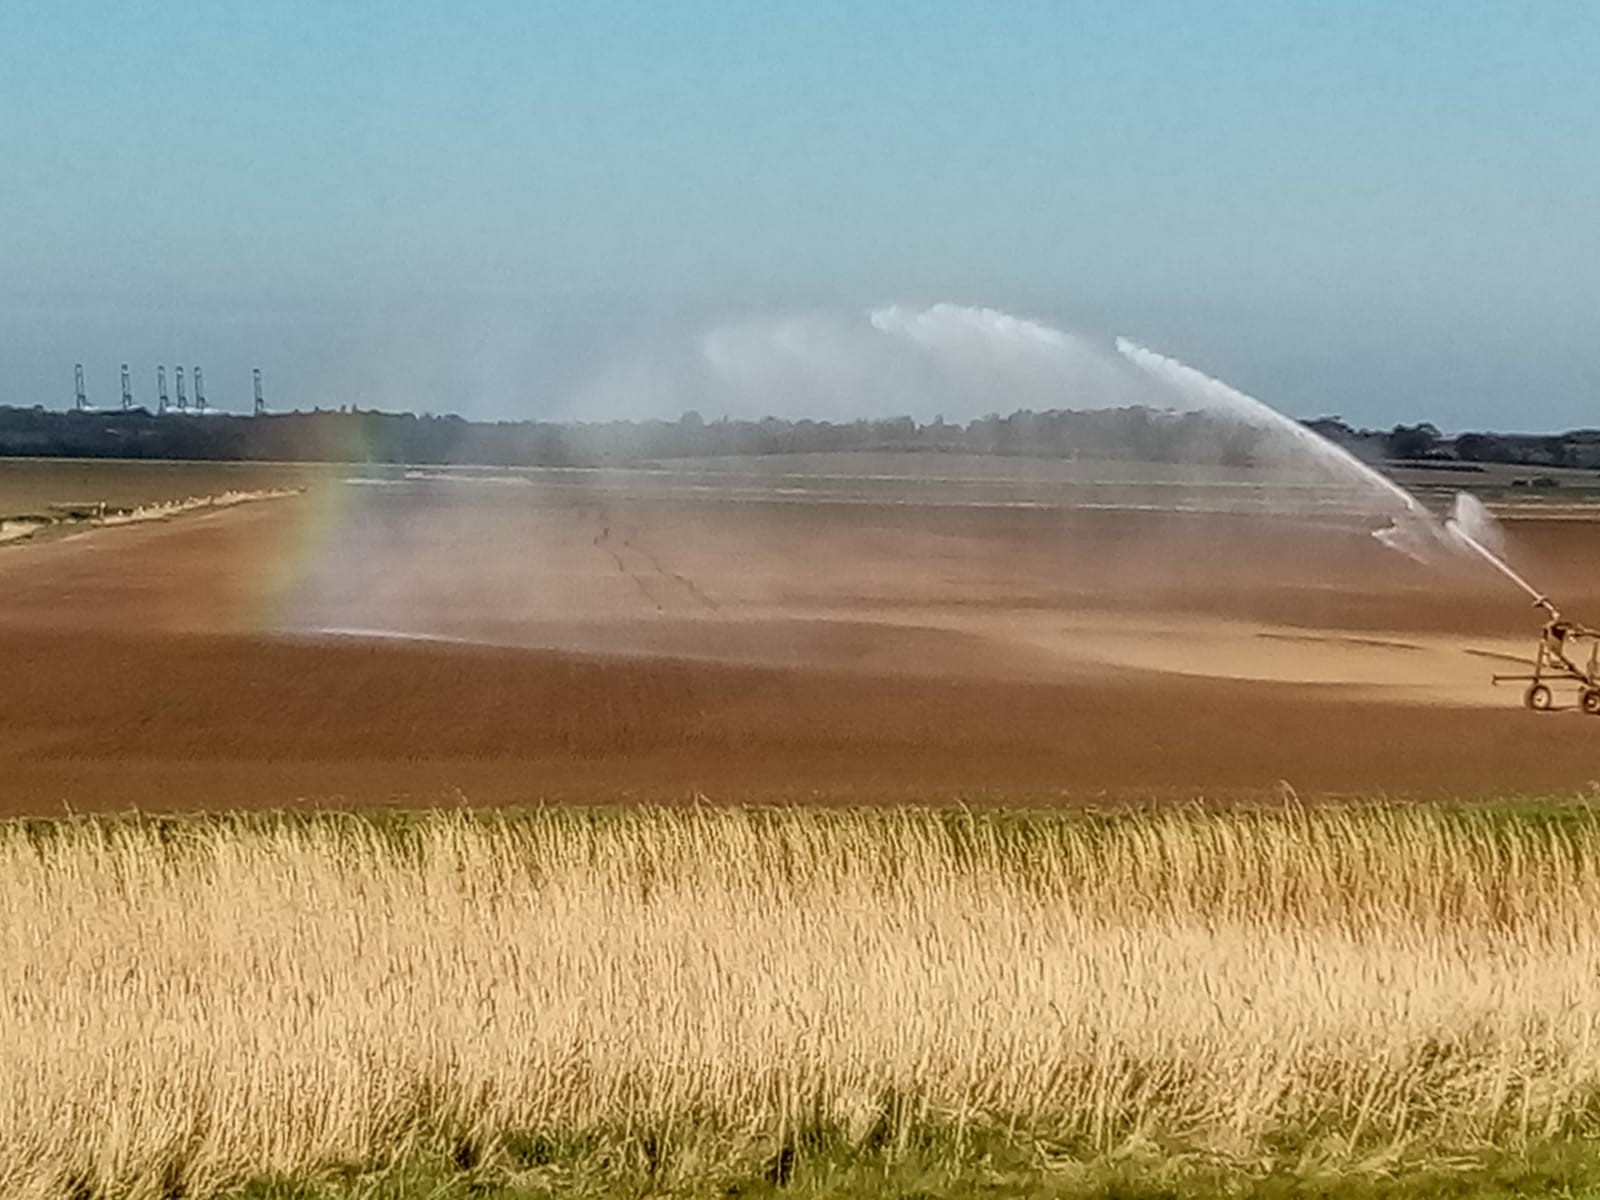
311,532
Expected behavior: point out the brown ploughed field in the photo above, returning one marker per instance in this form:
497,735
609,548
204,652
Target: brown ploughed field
426,641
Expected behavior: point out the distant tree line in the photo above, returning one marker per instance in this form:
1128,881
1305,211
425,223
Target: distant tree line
370,436
1130,433
1423,443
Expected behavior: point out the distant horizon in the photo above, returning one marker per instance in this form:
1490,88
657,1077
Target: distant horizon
212,410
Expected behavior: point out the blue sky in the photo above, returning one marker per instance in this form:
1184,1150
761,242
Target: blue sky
1387,211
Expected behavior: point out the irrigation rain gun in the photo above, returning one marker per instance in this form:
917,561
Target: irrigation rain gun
1551,660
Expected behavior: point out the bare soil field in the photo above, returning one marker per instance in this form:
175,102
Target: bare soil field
429,641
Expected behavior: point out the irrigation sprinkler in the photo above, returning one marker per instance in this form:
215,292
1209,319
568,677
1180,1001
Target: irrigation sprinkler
1560,643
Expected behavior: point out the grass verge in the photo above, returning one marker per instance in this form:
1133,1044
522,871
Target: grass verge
1266,1001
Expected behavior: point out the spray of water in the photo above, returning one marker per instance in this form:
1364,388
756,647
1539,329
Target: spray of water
1412,530
1472,522
946,359
1473,526
963,361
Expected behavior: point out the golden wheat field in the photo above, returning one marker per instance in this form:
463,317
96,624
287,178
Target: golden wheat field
189,1005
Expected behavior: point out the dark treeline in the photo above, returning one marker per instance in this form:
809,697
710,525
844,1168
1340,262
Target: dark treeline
1140,433
369,436
1425,444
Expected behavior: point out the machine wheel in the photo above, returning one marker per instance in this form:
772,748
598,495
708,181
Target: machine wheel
1538,698
1590,700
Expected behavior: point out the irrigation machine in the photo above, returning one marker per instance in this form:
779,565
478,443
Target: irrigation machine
1560,660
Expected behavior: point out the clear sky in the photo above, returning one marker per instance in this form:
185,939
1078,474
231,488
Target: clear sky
1385,210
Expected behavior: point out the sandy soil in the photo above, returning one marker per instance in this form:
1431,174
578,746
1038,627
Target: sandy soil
507,644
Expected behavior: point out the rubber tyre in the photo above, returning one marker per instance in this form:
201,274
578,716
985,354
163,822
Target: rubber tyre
1538,698
1590,701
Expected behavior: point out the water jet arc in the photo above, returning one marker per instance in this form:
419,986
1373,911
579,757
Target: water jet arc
1499,564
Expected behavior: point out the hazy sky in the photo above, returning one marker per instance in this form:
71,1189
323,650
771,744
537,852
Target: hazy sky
1385,210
